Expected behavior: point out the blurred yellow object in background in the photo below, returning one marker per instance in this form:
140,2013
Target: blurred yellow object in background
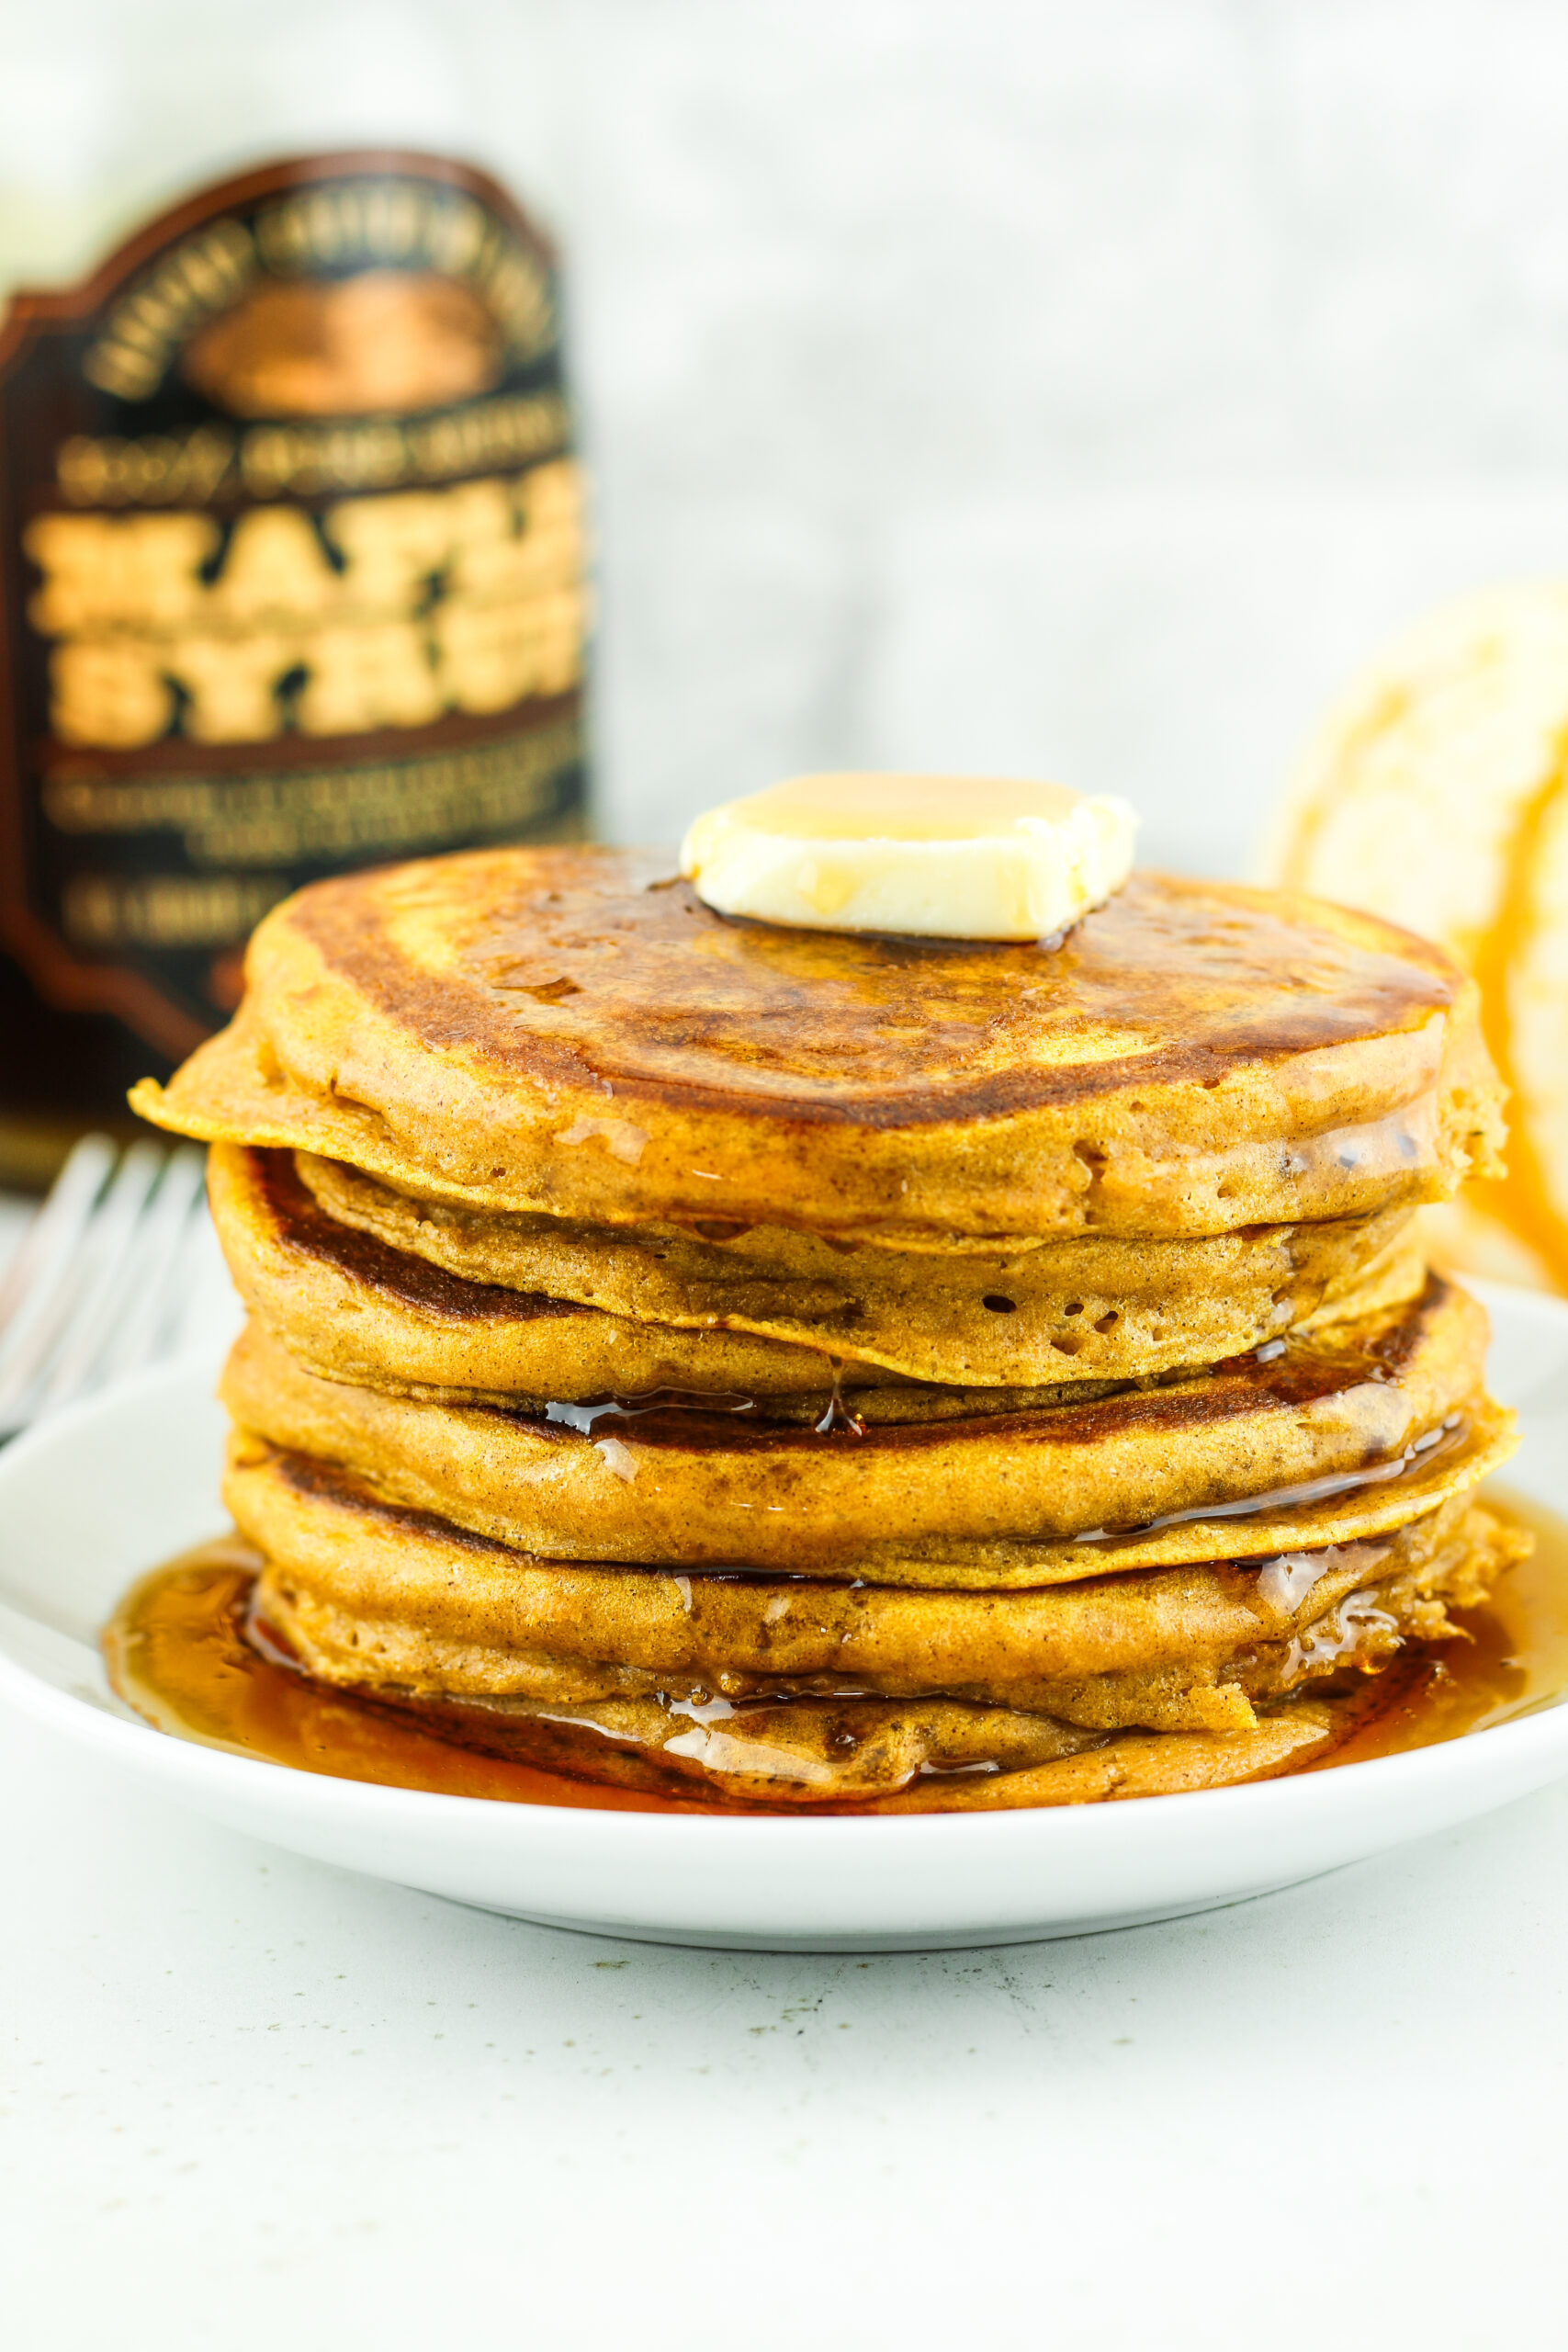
1435,795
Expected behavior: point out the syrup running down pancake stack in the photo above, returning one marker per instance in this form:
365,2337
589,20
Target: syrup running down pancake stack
792,1368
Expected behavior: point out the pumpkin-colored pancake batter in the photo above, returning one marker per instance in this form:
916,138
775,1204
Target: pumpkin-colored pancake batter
572,1030
1088,1308
695,1355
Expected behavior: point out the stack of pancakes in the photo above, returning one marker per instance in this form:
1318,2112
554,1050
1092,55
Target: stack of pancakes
778,1368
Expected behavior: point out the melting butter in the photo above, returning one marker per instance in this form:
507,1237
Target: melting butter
938,856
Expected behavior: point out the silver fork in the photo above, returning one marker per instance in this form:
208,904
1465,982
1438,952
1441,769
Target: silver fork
97,1285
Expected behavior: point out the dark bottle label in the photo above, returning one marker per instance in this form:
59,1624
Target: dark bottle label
290,578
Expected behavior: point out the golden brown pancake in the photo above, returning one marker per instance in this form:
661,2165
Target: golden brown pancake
887,1755
1086,1308
1363,1404
352,1309
571,1031
840,1371
836,1702
370,1595
1128,1764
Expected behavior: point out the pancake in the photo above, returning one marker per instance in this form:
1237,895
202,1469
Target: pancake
573,1032
788,1368
1128,1764
891,1755
368,1595
1362,1403
1087,1307
352,1309
363,1622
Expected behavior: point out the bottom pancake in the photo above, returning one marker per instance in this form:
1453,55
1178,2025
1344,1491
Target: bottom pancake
178,1650
860,1755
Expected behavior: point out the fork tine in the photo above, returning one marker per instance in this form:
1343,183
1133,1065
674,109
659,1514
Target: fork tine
47,1255
145,1307
202,1299
115,1243
61,1352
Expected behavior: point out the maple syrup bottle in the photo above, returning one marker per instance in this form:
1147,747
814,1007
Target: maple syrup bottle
291,569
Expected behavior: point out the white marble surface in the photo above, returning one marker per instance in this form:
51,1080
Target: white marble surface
252,2101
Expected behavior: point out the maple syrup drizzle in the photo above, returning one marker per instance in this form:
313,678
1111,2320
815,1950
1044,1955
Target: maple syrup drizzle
178,1650
838,1416
1448,1433
581,1418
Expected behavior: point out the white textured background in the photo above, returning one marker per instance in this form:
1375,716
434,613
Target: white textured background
1068,388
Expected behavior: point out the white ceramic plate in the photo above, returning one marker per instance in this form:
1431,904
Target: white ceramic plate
110,1488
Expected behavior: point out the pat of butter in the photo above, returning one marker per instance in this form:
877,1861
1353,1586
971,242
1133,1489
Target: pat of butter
940,856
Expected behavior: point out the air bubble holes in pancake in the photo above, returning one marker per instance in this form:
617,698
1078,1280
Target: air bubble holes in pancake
919,1311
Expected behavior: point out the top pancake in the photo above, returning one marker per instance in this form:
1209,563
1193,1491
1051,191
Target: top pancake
570,1030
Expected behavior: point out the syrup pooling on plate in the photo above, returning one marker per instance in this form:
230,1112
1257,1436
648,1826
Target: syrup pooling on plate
178,1651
